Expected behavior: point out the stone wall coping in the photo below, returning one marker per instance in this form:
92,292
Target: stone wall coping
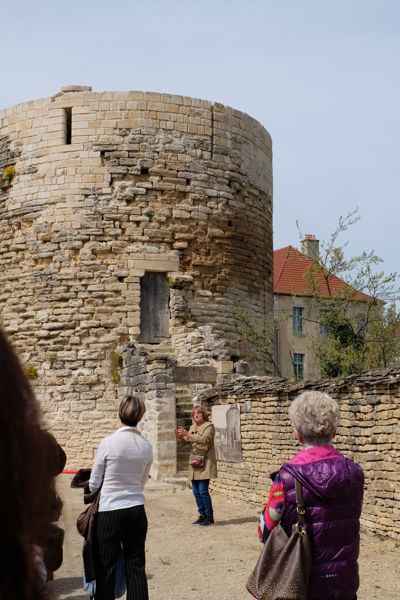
266,386
76,88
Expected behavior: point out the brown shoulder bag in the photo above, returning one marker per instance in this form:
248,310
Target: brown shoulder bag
283,569
196,460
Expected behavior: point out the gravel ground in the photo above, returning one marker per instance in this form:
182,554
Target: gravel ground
206,563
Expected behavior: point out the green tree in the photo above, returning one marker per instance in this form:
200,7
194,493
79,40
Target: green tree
360,319
384,338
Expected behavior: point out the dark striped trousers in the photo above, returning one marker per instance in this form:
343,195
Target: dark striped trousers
126,527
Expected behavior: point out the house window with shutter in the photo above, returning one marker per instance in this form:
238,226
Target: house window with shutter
298,320
298,365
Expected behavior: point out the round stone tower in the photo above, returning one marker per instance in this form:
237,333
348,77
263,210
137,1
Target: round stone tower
131,224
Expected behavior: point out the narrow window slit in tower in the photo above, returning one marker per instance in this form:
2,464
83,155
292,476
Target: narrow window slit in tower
68,125
144,171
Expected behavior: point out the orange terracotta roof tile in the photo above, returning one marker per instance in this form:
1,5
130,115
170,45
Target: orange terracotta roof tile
290,269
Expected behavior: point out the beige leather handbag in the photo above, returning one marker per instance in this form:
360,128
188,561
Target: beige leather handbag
283,569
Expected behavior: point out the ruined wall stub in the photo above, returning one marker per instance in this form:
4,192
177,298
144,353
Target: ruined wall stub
109,186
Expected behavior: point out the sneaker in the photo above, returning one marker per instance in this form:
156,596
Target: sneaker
200,520
207,521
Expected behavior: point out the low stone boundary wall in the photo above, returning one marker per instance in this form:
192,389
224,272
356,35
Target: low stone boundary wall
369,433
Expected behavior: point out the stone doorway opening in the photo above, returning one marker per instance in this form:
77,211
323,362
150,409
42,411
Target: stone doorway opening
154,308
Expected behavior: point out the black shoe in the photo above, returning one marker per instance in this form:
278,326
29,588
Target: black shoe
207,521
200,520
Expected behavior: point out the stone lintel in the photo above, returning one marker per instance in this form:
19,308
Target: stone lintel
156,264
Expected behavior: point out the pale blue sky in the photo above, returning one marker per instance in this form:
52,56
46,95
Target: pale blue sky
323,76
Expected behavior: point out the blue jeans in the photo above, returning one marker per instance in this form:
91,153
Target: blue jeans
202,496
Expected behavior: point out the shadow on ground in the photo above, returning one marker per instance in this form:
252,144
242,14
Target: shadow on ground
68,587
237,521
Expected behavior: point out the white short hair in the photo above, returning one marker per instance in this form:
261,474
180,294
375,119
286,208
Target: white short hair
315,416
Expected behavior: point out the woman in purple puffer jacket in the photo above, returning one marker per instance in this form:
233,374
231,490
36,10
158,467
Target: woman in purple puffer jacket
333,491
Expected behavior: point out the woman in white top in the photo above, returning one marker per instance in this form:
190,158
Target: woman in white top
121,468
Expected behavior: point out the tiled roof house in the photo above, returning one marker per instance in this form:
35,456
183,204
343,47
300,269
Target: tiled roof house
298,317
290,269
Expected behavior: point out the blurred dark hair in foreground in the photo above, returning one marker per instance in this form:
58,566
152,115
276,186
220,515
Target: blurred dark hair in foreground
26,475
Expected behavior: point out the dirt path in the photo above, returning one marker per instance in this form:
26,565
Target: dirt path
207,563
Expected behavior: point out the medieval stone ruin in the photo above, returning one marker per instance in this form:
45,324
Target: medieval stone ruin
132,226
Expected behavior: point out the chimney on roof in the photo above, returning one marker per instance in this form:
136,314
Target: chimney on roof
310,246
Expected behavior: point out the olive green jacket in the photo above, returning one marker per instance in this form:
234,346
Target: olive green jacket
203,443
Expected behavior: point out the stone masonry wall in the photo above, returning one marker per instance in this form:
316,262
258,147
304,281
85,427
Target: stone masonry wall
137,182
369,433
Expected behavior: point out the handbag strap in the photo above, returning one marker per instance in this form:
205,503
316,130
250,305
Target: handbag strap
300,507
